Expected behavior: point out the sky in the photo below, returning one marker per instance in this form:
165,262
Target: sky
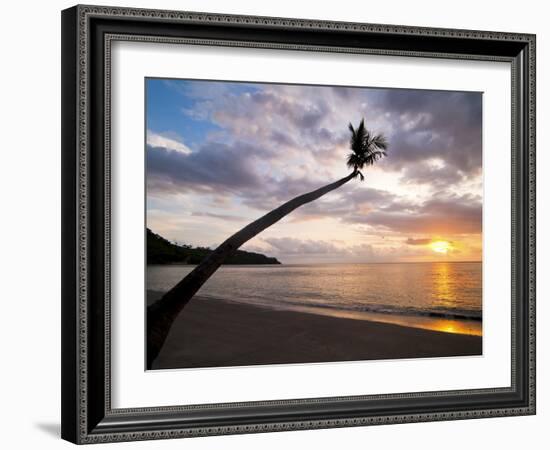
221,154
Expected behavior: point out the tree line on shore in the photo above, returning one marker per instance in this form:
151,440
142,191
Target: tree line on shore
162,251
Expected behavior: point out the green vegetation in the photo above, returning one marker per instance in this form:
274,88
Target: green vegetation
162,251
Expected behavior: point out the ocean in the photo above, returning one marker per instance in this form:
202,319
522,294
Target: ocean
444,296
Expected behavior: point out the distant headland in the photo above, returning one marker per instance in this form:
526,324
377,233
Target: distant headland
162,251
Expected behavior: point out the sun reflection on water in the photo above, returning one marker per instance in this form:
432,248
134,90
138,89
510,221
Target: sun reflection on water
443,296
443,284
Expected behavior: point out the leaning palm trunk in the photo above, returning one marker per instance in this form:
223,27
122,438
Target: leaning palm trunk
162,313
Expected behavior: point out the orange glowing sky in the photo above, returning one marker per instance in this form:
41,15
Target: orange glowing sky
221,154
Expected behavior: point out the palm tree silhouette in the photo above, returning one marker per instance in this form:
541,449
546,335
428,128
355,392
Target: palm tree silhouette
366,149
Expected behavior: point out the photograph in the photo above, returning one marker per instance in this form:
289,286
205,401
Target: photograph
297,223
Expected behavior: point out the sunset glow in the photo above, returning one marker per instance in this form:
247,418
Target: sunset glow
441,247
221,154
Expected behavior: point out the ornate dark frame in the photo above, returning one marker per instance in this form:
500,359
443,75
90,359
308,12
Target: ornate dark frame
87,33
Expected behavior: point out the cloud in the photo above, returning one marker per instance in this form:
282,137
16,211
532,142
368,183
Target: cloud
228,217
437,176
411,241
429,125
215,167
158,140
438,215
256,146
292,246
421,125
345,203
289,248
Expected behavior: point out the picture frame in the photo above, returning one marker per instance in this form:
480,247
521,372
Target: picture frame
88,33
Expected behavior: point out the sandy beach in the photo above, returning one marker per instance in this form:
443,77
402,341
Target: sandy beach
215,333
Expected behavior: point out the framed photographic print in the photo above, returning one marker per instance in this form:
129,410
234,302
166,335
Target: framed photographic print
279,224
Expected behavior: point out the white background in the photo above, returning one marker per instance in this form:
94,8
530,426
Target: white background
132,387
30,225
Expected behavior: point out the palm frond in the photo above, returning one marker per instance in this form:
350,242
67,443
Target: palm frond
366,147
379,141
358,138
373,156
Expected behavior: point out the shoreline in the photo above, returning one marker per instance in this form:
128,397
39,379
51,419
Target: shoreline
217,333
445,324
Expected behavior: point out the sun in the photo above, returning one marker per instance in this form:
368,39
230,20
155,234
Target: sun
441,246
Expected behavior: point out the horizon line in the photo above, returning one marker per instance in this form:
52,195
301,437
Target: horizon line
326,263
376,262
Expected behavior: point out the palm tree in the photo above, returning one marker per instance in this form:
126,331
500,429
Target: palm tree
366,149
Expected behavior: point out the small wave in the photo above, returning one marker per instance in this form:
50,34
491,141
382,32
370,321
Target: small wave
442,313
435,312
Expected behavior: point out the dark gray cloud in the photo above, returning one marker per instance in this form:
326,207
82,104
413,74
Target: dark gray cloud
301,113
426,173
345,203
275,192
216,166
345,93
428,125
439,215
281,138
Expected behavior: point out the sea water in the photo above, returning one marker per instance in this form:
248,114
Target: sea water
446,296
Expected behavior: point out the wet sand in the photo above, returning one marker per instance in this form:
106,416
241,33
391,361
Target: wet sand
215,333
